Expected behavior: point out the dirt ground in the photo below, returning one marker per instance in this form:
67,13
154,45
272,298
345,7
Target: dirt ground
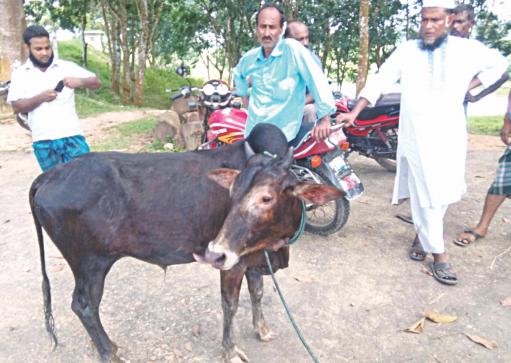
352,294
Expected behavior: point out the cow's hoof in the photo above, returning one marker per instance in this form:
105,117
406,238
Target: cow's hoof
263,332
235,355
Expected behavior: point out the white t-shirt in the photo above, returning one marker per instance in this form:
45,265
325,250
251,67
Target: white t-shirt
55,119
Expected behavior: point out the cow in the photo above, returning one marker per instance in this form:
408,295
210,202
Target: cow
219,207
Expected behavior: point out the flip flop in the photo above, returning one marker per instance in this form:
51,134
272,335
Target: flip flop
442,273
405,218
416,251
464,242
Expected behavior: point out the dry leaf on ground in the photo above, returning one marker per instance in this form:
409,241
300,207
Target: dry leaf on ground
440,318
506,301
488,344
417,327
426,271
196,330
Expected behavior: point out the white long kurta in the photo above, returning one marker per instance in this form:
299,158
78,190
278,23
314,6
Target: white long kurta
432,128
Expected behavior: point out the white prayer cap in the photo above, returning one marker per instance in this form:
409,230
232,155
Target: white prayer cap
446,4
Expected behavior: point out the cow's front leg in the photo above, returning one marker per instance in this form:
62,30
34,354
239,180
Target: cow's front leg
230,282
255,287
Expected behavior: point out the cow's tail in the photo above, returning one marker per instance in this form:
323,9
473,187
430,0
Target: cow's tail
48,316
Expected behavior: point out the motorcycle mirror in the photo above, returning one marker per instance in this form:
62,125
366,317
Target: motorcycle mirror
182,71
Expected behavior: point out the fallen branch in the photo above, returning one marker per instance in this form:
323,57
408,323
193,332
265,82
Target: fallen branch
499,255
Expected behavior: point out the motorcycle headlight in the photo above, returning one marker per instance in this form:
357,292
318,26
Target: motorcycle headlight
208,89
222,89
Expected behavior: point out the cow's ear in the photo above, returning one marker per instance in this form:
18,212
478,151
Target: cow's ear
223,176
316,193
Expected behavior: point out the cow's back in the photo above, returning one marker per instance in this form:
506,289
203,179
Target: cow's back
156,207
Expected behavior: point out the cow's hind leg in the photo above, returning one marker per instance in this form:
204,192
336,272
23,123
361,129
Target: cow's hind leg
230,282
89,283
255,287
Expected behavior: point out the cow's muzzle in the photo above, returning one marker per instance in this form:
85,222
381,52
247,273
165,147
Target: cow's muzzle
218,257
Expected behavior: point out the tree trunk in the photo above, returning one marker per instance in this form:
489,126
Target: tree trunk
142,53
363,53
12,25
124,41
111,21
12,49
84,25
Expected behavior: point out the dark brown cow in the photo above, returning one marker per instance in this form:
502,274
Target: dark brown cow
165,209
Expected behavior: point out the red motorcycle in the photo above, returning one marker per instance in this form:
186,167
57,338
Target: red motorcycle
322,162
374,132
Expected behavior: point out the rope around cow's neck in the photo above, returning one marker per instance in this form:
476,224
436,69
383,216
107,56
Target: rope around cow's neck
298,233
297,330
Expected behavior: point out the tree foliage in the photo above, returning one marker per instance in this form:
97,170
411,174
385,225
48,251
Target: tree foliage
219,32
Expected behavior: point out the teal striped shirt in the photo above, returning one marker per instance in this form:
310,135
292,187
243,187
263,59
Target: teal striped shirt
279,85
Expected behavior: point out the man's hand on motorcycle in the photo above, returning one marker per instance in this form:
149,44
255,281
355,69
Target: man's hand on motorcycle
322,130
346,118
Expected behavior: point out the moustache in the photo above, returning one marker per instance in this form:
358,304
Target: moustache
267,38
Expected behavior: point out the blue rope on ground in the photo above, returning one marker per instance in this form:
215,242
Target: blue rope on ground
297,330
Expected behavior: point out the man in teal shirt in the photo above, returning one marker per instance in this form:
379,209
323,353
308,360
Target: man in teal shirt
279,72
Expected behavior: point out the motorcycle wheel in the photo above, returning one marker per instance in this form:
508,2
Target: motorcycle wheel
22,119
329,218
387,164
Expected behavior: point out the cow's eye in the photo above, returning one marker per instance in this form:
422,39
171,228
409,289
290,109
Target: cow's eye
267,199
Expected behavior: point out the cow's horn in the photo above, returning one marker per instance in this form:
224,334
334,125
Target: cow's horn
288,159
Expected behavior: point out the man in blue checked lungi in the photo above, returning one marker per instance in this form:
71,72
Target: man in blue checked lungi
44,88
499,190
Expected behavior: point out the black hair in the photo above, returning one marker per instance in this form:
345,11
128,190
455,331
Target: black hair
469,9
268,137
34,31
273,6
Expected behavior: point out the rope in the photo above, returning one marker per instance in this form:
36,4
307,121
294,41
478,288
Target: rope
299,231
297,330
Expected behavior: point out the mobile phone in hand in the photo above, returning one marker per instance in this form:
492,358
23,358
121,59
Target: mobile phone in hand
59,86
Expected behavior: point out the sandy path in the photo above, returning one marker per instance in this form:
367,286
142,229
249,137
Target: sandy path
352,293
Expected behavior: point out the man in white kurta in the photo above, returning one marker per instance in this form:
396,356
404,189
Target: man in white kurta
435,72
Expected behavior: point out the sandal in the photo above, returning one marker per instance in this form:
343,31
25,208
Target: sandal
464,242
442,273
416,252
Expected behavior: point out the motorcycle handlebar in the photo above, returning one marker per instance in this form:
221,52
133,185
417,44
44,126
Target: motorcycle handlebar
337,126
184,92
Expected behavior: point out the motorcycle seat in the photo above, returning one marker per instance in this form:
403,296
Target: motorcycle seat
388,104
303,133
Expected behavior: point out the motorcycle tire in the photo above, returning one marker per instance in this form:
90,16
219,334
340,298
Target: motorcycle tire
336,211
387,164
22,120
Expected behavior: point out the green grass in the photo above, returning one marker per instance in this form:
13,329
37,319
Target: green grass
128,134
485,125
88,106
157,80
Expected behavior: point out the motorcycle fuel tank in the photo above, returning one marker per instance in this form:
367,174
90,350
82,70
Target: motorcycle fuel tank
227,124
